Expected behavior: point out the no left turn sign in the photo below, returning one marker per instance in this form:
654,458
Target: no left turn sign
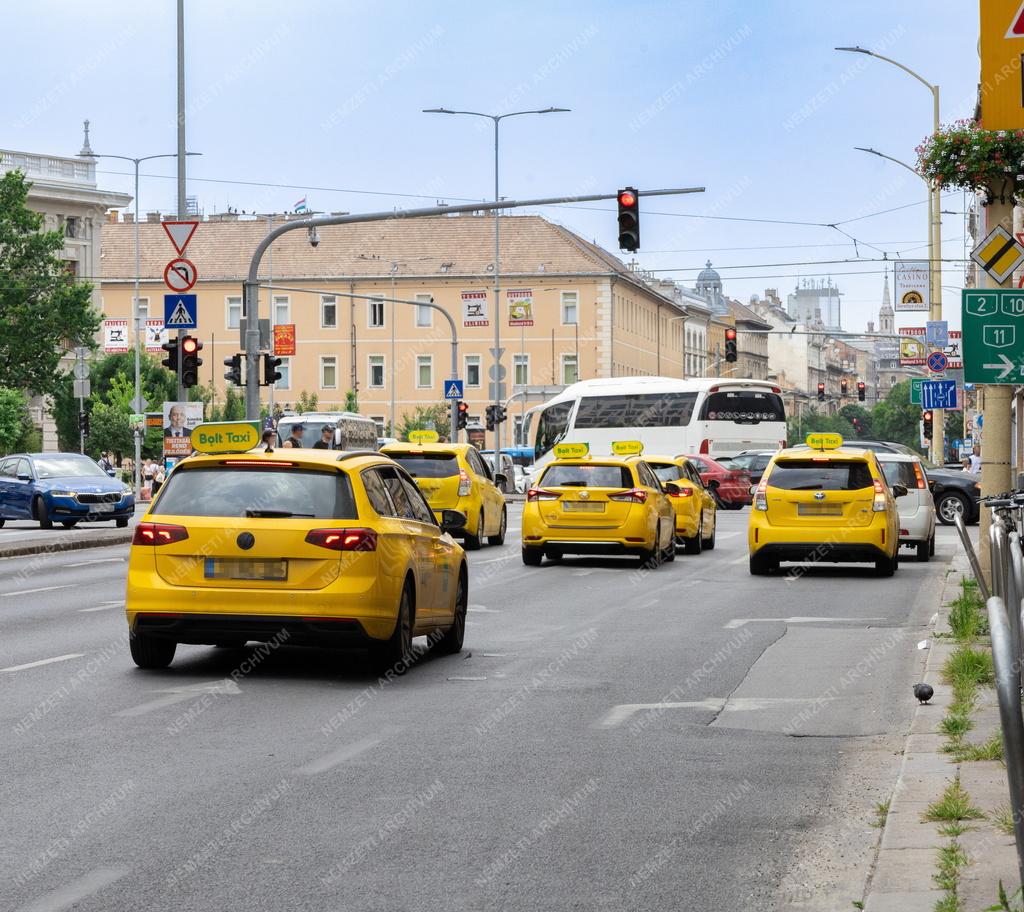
180,274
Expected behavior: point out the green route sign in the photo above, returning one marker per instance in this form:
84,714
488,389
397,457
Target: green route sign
915,390
993,340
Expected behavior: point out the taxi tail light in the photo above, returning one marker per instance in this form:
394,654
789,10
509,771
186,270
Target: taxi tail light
761,495
148,533
343,539
682,492
921,483
879,503
637,495
464,483
535,494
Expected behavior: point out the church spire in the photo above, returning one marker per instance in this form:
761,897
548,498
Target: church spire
86,148
886,316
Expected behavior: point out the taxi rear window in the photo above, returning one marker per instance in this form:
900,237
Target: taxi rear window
587,476
809,475
666,471
282,493
427,465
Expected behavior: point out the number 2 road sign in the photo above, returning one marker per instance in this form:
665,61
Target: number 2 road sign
993,336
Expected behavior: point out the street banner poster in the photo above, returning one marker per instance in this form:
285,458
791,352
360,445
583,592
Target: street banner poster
520,307
179,419
284,339
115,336
911,281
914,349
156,335
474,308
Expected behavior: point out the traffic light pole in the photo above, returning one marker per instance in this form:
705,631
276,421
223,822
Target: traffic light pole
251,286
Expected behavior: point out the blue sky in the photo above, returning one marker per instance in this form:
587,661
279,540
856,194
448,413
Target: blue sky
745,97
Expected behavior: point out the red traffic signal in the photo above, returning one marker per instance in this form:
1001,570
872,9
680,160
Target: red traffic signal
926,422
730,344
861,389
821,392
627,198
629,220
190,361
462,414
189,345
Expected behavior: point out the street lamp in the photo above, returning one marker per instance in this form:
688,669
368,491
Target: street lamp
935,234
135,306
496,351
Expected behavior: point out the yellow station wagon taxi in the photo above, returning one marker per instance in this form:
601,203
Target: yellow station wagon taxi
696,514
454,476
313,547
830,504
598,505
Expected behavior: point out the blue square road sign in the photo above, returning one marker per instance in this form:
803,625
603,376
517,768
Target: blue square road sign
452,389
938,394
180,311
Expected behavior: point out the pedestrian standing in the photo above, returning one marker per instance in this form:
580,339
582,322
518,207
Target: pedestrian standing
975,468
158,479
104,463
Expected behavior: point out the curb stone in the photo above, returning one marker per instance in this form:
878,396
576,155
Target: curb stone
58,545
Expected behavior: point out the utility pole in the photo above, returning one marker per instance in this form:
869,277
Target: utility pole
182,392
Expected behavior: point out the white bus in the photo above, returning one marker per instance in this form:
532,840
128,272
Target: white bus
716,416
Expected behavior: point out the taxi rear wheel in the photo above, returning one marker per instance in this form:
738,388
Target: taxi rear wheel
499,539
762,566
532,556
709,543
395,652
473,542
151,652
885,566
695,545
451,642
650,558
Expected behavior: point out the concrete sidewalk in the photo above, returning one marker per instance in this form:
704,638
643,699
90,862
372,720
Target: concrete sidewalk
902,875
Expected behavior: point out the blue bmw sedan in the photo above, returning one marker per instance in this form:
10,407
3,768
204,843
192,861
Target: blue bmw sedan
61,487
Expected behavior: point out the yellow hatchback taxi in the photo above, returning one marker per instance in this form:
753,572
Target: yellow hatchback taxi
828,504
301,547
454,476
695,509
598,505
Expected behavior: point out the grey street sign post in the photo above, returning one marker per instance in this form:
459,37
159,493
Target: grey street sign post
993,327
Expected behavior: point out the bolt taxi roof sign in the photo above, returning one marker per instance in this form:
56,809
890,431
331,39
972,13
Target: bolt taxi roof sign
824,441
226,437
627,447
423,437
571,450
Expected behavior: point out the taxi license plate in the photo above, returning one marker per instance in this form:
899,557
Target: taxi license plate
819,509
240,569
580,506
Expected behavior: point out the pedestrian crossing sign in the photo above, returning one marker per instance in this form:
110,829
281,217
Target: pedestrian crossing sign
180,311
452,389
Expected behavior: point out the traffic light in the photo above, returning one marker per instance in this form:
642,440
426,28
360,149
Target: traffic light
83,423
190,360
171,361
234,373
462,408
861,390
926,421
821,392
490,417
499,414
629,220
844,385
271,374
730,344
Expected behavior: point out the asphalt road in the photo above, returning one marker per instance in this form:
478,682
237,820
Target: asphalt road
528,773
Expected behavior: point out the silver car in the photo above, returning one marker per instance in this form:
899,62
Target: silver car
917,509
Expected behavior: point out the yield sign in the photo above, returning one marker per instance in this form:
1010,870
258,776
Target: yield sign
1016,29
180,233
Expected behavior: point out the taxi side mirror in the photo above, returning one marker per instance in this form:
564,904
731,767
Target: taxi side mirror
453,521
500,478
899,490
670,487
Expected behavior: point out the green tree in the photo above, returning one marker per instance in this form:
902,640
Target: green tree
895,418
43,310
109,430
307,402
431,417
352,401
14,421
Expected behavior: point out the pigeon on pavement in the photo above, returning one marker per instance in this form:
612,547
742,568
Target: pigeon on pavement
923,692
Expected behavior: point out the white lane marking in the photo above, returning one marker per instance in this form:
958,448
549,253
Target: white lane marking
180,695
30,591
331,760
106,606
617,715
739,622
721,535
497,655
467,678
63,658
483,609
71,893
101,560
582,572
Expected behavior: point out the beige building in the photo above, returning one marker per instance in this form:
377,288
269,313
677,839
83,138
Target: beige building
569,310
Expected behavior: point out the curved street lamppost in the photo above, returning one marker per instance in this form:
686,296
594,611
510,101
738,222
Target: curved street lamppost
496,118
135,302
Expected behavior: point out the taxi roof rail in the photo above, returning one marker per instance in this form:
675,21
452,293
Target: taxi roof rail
352,454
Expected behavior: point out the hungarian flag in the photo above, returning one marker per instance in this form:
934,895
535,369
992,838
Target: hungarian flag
300,206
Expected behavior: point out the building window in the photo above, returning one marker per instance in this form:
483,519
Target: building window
425,315
521,370
376,371
472,370
282,310
570,308
379,421
424,371
285,370
328,312
328,372
143,313
71,226
570,369
233,308
517,430
375,313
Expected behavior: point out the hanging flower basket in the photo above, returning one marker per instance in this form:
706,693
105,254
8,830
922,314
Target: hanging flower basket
964,155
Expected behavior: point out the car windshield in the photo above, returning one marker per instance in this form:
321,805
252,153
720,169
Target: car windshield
67,466
263,492
812,475
587,476
427,465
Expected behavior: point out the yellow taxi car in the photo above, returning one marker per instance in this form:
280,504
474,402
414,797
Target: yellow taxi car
696,513
830,504
598,505
309,547
454,476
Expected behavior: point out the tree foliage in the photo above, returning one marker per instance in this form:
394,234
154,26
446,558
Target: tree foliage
43,309
431,417
15,425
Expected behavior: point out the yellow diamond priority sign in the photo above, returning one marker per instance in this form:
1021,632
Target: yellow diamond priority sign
999,254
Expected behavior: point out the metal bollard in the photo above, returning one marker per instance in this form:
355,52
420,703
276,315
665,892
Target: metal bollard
1015,592
972,556
1007,672
998,558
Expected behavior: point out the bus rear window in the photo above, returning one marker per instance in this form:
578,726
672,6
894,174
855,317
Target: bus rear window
743,407
645,410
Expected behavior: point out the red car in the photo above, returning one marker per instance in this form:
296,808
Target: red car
729,487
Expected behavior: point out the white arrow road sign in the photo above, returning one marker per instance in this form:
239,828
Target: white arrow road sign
1005,367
